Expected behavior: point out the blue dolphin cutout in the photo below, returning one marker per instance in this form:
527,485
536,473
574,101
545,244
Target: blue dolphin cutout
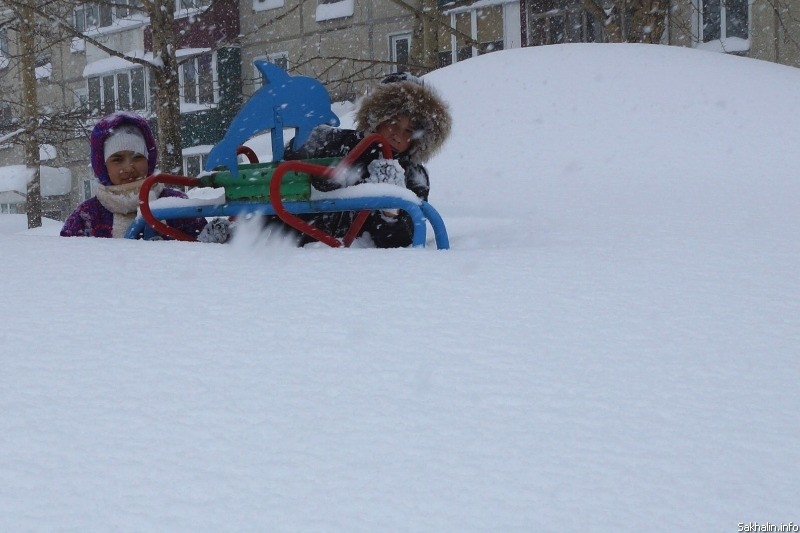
283,101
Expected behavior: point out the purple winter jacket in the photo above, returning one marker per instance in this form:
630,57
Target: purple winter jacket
91,219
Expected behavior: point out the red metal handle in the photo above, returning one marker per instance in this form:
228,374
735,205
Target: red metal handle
277,202
366,142
144,203
247,152
325,172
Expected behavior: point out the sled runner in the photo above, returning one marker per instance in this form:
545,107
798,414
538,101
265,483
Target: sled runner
283,188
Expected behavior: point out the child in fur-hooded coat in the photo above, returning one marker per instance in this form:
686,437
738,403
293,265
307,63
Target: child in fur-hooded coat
111,211
416,122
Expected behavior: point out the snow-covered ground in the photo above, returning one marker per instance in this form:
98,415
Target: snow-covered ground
610,344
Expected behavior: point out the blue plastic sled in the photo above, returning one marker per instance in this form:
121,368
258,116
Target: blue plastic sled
280,188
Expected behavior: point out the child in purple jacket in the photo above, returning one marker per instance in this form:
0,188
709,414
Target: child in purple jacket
123,154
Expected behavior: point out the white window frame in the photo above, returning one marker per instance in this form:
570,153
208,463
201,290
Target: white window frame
723,43
511,24
202,163
116,84
9,209
393,40
119,10
185,8
193,60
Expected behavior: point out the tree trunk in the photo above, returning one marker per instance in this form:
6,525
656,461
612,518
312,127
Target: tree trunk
165,77
647,20
430,35
27,46
425,37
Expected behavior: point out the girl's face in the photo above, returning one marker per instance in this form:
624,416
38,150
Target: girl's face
398,132
126,167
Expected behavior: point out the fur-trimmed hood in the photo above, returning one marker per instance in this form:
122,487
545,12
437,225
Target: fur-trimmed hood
429,114
103,129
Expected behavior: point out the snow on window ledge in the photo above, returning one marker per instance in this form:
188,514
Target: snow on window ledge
77,45
47,152
264,5
336,10
44,72
189,107
119,25
191,11
729,45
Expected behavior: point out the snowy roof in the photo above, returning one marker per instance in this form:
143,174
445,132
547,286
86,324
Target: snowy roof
114,64
55,181
478,5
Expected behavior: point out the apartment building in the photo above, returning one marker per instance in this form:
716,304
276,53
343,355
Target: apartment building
347,44
77,76
761,29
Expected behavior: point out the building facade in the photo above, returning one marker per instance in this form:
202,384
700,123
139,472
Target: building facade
346,44
79,78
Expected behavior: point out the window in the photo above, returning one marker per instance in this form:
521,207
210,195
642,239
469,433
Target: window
3,48
489,29
82,99
559,21
126,8
11,209
3,42
193,5
89,16
86,16
123,91
88,188
485,25
6,116
463,25
399,51
197,80
263,5
334,9
102,15
193,165
106,16
724,19
549,28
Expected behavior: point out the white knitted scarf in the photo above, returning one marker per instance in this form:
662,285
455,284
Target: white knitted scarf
123,201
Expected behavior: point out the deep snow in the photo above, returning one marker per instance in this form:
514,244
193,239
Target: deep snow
610,344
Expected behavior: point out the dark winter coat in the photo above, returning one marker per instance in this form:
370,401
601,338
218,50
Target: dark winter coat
326,141
428,115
